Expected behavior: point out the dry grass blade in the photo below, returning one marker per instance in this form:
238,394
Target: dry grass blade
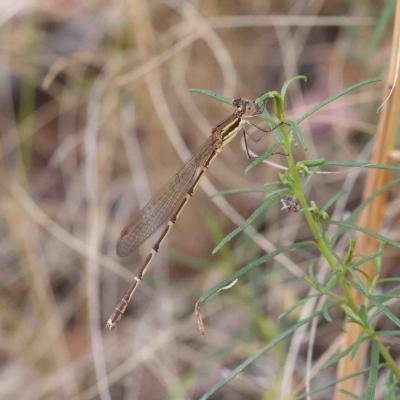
96,116
372,215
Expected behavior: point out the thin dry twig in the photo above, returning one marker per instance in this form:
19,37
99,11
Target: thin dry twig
94,231
245,21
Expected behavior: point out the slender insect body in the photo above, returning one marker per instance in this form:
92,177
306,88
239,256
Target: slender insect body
172,198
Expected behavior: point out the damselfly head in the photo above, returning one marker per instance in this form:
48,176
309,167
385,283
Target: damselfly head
244,106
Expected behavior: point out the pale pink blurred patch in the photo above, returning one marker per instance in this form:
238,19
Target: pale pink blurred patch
60,8
341,110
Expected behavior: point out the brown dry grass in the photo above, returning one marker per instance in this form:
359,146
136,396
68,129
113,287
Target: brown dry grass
372,216
95,116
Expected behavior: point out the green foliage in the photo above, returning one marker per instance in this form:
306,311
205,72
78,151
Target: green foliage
331,384
392,387
334,97
269,199
297,129
333,200
259,353
388,10
249,267
263,157
350,252
287,83
235,191
295,305
373,372
352,395
361,338
212,94
342,354
344,272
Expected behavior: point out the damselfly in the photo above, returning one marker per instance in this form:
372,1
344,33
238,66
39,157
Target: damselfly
171,199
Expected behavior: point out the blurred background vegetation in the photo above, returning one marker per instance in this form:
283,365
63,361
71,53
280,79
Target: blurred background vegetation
95,116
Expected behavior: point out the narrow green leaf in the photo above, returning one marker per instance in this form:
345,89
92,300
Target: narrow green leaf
331,283
352,395
357,343
333,199
250,266
363,312
275,183
388,296
359,208
332,383
271,198
361,272
334,97
388,333
311,282
325,310
295,305
277,134
337,258
366,259
310,176
342,325
259,353
377,312
311,271
355,164
212,94
331,274
350,251
287,83
367,231
319,227
265,97
389,280
342,354
392,387
378,264
279,108
362,289
266,116
299,133
314,163
373,373
241,190
386,15
260,159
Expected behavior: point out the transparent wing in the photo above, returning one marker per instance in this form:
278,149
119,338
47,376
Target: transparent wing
163,205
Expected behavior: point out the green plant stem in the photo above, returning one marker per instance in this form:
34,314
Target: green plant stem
389,360
299,193
324,249
383,350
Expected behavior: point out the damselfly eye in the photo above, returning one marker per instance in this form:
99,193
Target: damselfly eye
236,102
250,109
